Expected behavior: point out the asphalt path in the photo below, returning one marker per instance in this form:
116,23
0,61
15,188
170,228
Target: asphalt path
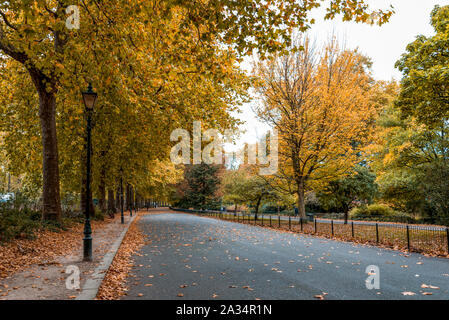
188,257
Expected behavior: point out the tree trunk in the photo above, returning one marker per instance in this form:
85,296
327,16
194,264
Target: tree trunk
128,197
102,191
111,203
83,188
117,199
51,200
131,198
346,211
301,201
257,208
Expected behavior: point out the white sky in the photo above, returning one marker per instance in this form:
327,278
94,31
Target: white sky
384,45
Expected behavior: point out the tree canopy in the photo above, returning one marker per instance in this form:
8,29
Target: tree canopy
155,64
319,101
424,87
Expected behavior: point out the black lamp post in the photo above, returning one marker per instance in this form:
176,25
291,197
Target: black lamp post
130,201
89,98
121,196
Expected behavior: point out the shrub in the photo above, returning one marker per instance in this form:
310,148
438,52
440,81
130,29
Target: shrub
373,210
98,215
15,223
379,212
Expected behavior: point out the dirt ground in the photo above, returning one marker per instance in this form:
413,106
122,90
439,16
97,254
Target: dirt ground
46,279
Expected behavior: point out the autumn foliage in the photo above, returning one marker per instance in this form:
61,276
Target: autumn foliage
319,101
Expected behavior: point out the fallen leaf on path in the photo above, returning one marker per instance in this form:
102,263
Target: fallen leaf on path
429,286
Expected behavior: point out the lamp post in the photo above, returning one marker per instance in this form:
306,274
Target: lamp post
121,196
130,201
89,98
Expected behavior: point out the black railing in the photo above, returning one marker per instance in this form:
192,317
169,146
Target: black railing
418,238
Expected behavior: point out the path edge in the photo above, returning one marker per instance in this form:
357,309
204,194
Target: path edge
92,285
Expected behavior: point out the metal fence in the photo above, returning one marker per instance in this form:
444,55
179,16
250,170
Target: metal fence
417,238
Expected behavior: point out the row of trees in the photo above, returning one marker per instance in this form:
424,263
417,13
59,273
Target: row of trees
156,65
347,140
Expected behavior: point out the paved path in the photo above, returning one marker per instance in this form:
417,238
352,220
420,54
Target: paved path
205,258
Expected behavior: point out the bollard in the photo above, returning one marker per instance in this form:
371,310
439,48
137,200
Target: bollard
270,221
352,228
315,224
332,227
377,232
289,222
279,221
300,222
262,220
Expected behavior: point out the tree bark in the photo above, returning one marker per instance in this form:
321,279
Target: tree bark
117,199
111,203
102,191
131,198
346,211
51,200
257,208
301,200
128,197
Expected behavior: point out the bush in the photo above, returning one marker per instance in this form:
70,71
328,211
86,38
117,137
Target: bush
379,212
16,223
98,215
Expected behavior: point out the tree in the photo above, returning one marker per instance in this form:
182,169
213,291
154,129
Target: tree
109,49
412,164
244,187
424,87
132,100
201,186
232,184
320,104
340,194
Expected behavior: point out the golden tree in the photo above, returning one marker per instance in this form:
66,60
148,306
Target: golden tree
319,101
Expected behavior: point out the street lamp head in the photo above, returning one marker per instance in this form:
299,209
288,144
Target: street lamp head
89,98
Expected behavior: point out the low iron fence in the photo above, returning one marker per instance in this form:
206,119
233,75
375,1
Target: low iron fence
417,238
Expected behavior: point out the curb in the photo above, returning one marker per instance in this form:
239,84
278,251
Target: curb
90,288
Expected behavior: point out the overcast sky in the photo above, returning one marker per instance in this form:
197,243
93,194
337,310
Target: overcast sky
384,45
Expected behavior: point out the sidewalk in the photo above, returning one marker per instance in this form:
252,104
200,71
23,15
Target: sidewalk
36,269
